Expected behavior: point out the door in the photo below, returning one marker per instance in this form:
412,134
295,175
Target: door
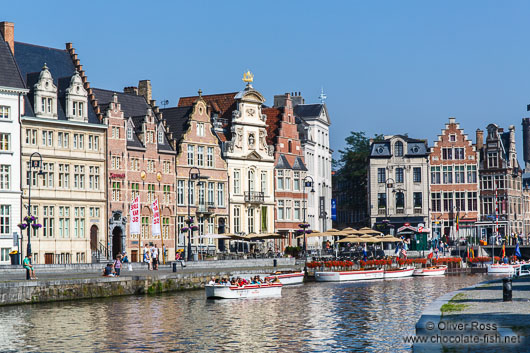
116,241
48,258
94,238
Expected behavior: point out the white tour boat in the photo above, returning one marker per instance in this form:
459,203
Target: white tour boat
431,271
355,275
399,272
505,269
288,277
248,291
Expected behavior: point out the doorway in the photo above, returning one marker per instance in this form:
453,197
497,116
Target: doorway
94,238
48,258
116,241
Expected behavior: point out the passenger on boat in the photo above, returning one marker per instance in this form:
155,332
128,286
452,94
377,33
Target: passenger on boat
212,281
276,280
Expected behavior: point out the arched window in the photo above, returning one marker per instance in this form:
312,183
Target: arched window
398,149
251,180
290,147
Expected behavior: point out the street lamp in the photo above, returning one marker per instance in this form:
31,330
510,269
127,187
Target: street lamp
304,227
191,227
389,184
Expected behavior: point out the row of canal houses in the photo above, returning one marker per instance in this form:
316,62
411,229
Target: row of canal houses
229,161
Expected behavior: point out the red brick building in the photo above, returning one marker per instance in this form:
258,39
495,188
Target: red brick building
140,161
290,169
454,184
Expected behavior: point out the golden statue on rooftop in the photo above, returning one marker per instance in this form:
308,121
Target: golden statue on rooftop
248,77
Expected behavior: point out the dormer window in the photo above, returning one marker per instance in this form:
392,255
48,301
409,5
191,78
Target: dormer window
160,135
45,95
129,133
76,97
398,149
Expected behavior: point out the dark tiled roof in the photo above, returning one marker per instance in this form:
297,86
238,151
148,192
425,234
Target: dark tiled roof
177,120
131,104
282,163
223,104
273,123
380,149
30,60
308,110
9,74
135,142
299,164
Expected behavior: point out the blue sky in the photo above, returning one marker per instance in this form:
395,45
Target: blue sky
386,66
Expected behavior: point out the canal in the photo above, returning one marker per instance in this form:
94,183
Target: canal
369,316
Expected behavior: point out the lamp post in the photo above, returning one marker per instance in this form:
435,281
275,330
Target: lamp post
29,219
189,221
304,226
389,184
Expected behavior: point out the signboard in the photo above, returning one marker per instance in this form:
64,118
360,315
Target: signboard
333,209
322,207
156,218
135,216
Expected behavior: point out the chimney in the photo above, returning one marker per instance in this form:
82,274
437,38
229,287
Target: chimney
279,100
8,32
297,99
144,89
526,143
131,90
480,139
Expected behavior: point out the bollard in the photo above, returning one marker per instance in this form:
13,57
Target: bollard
506,289
174,263
275,262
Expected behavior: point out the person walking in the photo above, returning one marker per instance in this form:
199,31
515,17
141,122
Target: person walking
117,265
29,267
154,255
147,257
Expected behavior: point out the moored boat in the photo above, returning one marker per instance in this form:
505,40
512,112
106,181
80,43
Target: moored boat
355,275
288,277
398,272
219,291
431,271
506,269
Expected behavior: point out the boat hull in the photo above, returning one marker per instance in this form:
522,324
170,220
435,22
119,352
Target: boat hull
430,271
289,278
249,291
405,272
344,276
505,269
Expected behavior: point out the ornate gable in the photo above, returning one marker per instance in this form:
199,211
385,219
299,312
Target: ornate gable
45,95
76,100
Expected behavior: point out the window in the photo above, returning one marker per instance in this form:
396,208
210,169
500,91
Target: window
287,180
4,254
211,193
116,133
447,153
64,222
180,192
400,202
145,227
418,203
435,175
31,137
47,138
5,176
459,153
191,192
150,165
436,200
5,220
47,226
237,219
460,174
452,138
200,129
48,174
290,146
4,112
165,227
251,220
448,174
398,149
448,201
237,182
288,204
79,222
167,194
115,162
280,179
209,157
416,175
471,174
200,156
460,199
296,214
90,142
220,194
281,209
191,152
264,183
5,140
80,109
381,175
33,176
64,176
93,178
150,137
493,159
381,200
488,206
399,175
135,164
160,135
79,176
201,193
166,166
487,182
63,140
471,201
150,193
180,225
135,191
79,141
116,187
296,181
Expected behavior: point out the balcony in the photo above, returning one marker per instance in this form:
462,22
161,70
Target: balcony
381,211
207,207
254,197
400,210
418,210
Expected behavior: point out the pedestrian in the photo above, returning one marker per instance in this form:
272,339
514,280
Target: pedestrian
155,258
117,265
147,257
124,259
29,267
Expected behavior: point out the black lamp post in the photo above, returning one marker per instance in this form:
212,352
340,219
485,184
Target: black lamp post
389,184
30,218
304,227
190,226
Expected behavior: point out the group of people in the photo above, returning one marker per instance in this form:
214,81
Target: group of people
113,269
240,282
151,257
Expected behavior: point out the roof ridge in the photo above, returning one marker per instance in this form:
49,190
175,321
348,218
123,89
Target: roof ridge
42,46
210,95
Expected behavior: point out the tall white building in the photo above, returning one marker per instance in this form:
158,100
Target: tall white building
12,95
313,126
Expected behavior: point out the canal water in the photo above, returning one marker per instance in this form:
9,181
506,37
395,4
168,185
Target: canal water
369,316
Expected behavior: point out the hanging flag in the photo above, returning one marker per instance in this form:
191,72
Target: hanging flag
156,218
404,252
467,252
457,227
503,250
472,253
517,251
134,227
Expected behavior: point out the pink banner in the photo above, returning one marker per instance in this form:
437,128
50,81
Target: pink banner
156,218
135,216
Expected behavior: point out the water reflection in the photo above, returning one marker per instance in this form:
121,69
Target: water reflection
370,316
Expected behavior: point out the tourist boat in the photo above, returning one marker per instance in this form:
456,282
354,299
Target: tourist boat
399,272
288,277
503,269
355,275
522,271
219,291
431,271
